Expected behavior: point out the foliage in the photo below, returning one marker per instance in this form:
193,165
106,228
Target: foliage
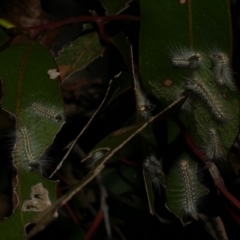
138,128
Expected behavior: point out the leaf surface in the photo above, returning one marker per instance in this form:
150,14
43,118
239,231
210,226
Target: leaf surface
211,113
184,193
26,82
79,53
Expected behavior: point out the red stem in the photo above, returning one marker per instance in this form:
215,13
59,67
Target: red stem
196,150
68,208
220,185
94,225
84,19
101,29
232,211
215,174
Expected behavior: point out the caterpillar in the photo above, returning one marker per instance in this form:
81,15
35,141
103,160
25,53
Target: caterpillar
154,168
25,145
184,193
185,58
190,201
213,149
30,151
43,111
196,86
221,69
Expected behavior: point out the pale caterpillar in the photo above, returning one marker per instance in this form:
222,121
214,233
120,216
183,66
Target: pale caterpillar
185,58
25,149
197,87
94,157
185,194
221,69
38,125
30,150
154,169
46,112
213,149
190,201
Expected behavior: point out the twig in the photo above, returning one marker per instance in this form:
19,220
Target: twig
215,174
84,19
35,31
104,207
69,210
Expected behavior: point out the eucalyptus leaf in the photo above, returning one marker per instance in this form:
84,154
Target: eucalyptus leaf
79,53
184,193
184,55
33,97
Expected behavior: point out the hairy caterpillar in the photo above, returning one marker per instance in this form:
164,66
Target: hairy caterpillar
25,146
33,139
196,86
190,205
46,112
213,149
184,191
185,58
30,150
154,168
221,69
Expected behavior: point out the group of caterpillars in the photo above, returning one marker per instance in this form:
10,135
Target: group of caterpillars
34,122
197,88
195,64
184,58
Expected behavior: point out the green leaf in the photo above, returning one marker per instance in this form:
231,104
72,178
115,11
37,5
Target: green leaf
79,53
184,193
6,24
33,97
114,7
170,31
119,185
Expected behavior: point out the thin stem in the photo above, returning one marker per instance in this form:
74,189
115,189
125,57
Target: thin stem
84,19
94,225
216,176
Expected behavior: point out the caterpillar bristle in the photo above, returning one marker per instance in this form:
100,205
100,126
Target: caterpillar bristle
190,205
185,58
154,169
46,112
25,144
197,88
222,70
213,149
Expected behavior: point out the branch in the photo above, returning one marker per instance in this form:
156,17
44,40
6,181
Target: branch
99,20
